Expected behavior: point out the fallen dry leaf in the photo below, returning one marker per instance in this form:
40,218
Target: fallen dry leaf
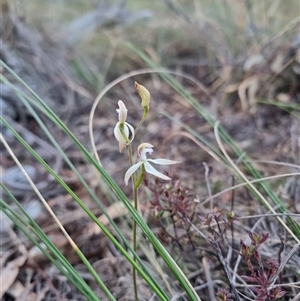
21,292
9,273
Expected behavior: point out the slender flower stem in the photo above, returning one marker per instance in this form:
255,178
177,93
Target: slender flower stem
146,110
130,155
136,181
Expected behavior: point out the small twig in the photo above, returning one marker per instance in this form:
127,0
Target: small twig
208,184
283,263
225,266
230,249
208,279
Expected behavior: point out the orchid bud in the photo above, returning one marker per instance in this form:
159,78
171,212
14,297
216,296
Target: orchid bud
144,94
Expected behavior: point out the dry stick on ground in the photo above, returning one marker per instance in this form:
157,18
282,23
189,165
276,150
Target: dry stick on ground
216,243
283,263
208,184
265,202
229,254
210,283
225,266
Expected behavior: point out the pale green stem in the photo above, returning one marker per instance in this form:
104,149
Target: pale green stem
146,111
135,199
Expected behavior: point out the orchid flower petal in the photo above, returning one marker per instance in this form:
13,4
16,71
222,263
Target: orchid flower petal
150,169
131,171
122,111
128,132
119,136
117,132
162,161
130,129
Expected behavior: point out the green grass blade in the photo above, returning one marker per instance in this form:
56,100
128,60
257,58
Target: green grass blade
52,253
287,107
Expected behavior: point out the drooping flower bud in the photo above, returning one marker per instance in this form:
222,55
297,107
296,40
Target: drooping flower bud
144,94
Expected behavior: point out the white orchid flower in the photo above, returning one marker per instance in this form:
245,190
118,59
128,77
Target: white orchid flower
123,130
143,149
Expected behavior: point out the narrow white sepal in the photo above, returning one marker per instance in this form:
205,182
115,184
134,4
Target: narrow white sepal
131,171
163,161
150,169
